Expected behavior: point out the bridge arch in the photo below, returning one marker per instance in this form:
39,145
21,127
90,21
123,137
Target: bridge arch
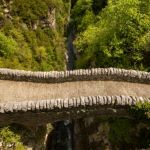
53,96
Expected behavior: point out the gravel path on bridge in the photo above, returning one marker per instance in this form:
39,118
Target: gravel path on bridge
20,91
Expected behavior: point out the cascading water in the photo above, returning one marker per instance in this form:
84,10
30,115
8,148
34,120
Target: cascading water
61,138
70,55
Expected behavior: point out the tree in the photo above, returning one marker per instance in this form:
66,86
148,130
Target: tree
118,39
7,46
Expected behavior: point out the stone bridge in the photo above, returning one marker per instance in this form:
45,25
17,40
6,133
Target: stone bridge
41,97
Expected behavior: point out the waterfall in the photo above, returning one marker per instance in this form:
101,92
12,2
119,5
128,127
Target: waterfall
61,138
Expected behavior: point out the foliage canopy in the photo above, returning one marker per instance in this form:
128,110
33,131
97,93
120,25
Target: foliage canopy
118,38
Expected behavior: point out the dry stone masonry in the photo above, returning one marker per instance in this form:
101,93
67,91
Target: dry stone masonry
76,75
80,102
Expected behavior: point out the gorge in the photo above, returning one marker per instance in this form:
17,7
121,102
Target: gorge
74,96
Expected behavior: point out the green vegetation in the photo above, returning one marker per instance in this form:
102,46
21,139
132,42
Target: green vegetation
32,34
17,137
141,111
117,36
128,134
131,133
107,33
10,139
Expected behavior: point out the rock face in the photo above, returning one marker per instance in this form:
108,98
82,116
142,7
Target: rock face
89,135
98,133
49,21
52,18
7,7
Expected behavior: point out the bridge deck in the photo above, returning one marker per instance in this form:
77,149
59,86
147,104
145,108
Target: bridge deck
24,91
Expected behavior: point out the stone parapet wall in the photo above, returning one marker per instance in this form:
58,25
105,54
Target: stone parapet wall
66,104
76,75
45,111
